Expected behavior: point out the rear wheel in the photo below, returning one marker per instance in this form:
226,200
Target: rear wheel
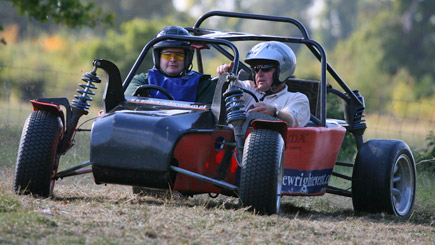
262,169
37,160
384,178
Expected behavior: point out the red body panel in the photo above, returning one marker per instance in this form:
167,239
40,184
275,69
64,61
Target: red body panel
310,156
198,153
313,148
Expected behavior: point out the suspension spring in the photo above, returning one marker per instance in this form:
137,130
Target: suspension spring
81,101
234,104
359,121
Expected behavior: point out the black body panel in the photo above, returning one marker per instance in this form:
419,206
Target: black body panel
135,147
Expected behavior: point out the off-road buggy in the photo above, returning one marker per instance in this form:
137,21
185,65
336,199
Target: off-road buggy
216,148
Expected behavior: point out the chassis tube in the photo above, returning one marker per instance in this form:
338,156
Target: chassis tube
218,183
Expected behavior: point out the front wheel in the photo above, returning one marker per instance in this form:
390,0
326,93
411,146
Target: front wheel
262,169
37,161
384,178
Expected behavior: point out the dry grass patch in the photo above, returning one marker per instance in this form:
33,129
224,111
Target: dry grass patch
82,212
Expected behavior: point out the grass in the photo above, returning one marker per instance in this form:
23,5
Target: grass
412,131
10,132
9,141
82,212
425,196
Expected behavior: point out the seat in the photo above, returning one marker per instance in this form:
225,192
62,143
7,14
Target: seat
308,87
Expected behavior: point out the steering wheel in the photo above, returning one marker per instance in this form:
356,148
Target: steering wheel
144,90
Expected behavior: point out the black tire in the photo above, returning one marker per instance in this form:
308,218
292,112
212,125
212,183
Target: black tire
37,161
384,178
262,169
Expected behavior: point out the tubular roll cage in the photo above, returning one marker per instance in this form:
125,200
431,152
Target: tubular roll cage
312,45
217,38
355,102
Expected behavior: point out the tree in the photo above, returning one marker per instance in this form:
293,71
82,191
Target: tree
127,10
71,13
410,41
337,21
390,56
124,46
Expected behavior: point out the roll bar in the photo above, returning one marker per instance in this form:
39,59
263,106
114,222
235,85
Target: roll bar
193,39
312,45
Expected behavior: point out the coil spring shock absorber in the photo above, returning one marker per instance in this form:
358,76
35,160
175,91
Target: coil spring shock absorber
79,107
236,114
355,118
81,102
234,104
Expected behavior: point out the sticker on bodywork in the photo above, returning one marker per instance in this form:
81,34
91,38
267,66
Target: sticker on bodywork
171,103
305,182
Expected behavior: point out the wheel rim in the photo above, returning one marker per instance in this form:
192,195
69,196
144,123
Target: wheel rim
279,183
278,194
278,198
402,185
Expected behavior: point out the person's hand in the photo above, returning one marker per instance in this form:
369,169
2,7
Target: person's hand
224,68
263,107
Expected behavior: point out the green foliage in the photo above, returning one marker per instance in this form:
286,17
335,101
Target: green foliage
35,69
123,47
127,10
425,193
337,21
372,49
8,203
364,60
389,53
69,12
408,39
358,60
425,158
10,138
2,40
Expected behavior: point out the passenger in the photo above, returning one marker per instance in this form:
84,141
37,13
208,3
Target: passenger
273,63
172,71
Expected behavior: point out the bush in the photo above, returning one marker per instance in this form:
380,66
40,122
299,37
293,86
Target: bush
425,159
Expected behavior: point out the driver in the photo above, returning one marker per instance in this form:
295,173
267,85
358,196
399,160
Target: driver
273,63
172,71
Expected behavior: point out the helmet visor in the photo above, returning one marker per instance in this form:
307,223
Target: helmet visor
169,55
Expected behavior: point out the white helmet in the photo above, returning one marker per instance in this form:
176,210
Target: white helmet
278,53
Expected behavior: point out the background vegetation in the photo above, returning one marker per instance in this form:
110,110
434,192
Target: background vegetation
369,42
382,48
